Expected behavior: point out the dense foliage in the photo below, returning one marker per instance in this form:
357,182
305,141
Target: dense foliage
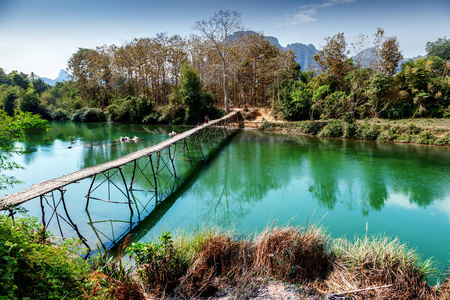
350,89
11,129
33,268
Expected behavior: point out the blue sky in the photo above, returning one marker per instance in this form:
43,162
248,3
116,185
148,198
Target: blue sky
41,35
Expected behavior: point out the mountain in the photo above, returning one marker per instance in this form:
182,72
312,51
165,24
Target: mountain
63,76
304,53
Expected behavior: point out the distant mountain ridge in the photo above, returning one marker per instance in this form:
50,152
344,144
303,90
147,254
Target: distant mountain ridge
63,76
304,53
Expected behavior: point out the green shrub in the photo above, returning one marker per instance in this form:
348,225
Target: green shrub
425,137
267,126
368,132
174,112
297,104
130,109
161,266
349,130
88,114
385,136
444,140
405,138
60,114
33,268
412,129
306,127
198,103
334,128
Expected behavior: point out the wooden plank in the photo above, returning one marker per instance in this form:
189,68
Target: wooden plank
53,184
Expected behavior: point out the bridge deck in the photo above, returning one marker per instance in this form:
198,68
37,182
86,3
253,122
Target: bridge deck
57,183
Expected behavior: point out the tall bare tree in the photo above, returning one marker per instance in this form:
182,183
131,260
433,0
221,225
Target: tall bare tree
390,55
333,57
218,29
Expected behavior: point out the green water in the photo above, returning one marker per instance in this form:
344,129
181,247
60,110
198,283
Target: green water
259,179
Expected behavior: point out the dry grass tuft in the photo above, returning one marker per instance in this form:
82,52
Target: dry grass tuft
122,290
292,254
221,261
373,262
445,289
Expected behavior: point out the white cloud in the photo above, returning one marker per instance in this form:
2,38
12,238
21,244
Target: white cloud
442,206
306,13
401,201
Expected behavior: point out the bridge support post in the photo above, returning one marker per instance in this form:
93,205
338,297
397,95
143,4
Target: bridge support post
154,175
173,165
42,210
88,196
126,189
72,224
186,149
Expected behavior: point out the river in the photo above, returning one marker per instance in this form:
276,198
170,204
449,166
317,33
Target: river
255,180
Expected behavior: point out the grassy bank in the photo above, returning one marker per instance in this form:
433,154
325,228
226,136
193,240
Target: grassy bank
421,131
215,264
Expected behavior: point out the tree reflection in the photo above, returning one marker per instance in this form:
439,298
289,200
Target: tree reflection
339,171
355,174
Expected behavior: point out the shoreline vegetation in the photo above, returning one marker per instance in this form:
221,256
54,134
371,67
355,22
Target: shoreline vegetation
298,262
424,131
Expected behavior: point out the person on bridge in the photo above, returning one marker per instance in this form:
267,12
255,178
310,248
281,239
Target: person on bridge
206,119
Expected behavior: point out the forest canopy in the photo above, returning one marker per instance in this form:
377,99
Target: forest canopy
142,79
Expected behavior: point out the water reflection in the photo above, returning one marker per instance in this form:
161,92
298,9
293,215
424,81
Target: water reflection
400,189
337,172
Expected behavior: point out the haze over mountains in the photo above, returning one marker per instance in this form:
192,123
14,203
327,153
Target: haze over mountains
63,76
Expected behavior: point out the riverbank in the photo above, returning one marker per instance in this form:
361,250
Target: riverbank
280,263
418,131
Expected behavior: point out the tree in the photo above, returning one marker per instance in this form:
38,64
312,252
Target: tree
360,53
4,78
8,98
39,85
199,104
375,62
11,129
191,94
29,101
380,94
217,30
440,48
19,80
333,58
390,55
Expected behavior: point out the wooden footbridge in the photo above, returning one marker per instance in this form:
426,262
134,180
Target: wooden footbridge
158,157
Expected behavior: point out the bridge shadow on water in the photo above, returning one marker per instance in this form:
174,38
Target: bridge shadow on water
147,215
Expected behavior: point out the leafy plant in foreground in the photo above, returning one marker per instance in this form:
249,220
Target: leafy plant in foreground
161,265
33,268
